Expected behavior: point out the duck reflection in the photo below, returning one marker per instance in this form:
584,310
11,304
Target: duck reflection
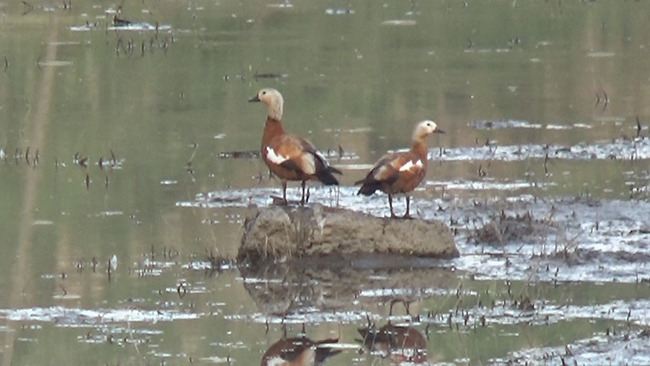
300,351
400,344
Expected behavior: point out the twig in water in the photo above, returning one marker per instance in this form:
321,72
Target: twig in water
28,7
546,164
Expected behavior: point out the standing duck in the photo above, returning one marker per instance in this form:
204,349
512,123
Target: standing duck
288,156
401,172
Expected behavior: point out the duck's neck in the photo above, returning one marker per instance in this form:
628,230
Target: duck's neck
272,128
419,148
275,110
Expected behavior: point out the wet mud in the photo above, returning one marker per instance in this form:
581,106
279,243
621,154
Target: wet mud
517,237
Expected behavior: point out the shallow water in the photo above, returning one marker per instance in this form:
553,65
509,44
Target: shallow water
126,173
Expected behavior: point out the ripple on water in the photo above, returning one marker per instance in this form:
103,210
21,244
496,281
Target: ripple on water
618,149
625,348
74,317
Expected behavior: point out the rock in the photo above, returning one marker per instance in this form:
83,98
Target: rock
284,233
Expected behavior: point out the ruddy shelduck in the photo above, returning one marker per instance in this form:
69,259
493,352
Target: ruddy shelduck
288,156
401,172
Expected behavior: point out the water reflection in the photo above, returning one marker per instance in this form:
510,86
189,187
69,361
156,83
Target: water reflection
309,293
300,351
400,344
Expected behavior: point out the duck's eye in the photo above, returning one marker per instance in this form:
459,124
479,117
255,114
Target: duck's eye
264,93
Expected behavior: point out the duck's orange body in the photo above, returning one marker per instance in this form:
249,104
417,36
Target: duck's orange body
290,157
299,352
400,172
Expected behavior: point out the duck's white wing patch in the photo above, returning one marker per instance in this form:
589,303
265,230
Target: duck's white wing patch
309,163
379,174
410,165
274,157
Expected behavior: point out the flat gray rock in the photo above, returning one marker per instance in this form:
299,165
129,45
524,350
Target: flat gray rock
284,233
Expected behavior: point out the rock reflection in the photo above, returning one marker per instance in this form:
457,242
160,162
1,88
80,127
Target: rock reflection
312,291
400,344
300,351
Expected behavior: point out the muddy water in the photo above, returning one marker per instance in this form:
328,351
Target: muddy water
115,197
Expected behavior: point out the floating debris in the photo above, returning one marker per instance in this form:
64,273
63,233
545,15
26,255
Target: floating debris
352,130
135,27
85,27
496,125
285,5
489,124
484,185
618,149
42,223
269,75
113,262
54,63
249,154
66,43
601,54
339,11
399,22
558,127
83,317
107,214
487,50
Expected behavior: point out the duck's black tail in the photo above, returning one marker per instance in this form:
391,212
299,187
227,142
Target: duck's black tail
369,186
324,174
